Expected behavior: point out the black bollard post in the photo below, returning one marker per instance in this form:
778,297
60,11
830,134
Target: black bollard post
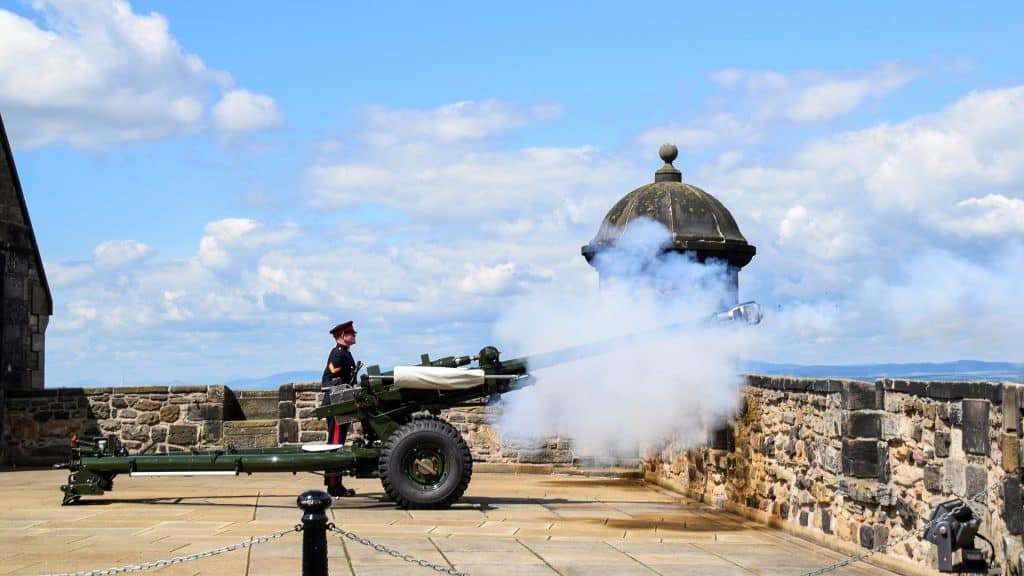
314,531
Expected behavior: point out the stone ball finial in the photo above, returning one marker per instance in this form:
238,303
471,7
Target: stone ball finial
668,172
668,152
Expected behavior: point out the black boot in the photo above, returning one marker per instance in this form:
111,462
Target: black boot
340,491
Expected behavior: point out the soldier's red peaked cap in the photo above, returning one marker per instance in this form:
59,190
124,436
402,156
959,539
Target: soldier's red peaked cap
343,328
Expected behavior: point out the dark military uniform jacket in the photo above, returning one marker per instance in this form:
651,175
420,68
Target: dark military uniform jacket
345,365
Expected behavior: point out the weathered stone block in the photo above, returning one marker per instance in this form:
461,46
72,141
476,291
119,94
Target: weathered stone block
865,491
933,478
216,394
285,410
148,418
287,430
880,534
286,393
976,480
953,477
1013,507
897,427
170,413
251,433
126,414
315,425
975,426
951,414
145,405
99,410
941,444
861,396
201,412
313,437
1011,408
135,432
905,511
907,475
182,434
831,459
109,426
213,431
158,433
863,425
186,389
867,536
722,439
1009,446
866,459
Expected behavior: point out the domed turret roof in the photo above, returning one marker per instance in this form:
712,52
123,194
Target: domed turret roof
697,221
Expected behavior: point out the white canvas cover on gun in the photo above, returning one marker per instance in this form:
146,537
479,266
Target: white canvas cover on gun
437,378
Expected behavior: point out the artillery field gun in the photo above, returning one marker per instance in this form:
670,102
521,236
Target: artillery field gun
421,460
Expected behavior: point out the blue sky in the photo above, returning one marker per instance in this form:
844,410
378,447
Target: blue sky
214,185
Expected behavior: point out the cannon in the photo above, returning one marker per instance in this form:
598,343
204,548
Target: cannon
422,461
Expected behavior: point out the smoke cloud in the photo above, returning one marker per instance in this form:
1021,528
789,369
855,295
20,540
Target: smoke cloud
671,375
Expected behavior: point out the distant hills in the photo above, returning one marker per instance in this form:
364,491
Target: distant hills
941,371
275,380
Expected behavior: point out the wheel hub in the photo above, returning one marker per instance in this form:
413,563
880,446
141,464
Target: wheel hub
426,467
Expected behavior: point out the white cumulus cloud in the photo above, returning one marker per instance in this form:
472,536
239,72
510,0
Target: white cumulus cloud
487,279
813,95
240,111
120,253
431,162
96,73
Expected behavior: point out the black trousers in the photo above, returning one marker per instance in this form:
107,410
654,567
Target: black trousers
336,434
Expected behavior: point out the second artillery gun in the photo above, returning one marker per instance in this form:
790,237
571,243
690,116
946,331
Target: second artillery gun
421,460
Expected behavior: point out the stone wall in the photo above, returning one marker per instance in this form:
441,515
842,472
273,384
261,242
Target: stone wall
865,463
39,424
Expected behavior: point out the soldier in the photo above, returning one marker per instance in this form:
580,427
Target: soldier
340,370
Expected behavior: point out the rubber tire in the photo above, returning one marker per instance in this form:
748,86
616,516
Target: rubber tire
429,431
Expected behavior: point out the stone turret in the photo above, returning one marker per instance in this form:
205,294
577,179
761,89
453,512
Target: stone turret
698,223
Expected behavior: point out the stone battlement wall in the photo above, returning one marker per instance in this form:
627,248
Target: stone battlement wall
38,424
865,463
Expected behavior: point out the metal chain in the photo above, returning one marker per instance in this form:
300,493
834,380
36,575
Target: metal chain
395,553
908,536
181,559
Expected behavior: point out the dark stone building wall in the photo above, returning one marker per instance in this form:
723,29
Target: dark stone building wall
25,301
24,292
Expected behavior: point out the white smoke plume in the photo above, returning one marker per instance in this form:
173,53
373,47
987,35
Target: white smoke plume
675,383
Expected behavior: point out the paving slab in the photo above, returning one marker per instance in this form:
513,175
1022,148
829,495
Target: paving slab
508,524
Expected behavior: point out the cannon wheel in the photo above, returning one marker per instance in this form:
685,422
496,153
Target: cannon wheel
425,464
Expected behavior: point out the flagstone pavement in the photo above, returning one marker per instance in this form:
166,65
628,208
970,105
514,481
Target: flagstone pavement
506,524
